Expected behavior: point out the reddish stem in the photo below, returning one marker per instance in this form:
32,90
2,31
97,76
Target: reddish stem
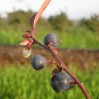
65,68
73,76
34,20
39,13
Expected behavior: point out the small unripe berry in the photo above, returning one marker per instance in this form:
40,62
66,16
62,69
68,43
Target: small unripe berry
38,62
51,38
26,52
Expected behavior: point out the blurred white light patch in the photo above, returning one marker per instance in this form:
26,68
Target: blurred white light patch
3,15
75,9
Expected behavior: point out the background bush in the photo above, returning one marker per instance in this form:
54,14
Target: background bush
82,33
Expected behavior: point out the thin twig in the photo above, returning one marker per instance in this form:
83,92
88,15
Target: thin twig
65,68
33,22
36,17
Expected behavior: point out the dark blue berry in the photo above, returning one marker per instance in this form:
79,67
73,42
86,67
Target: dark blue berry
61,82
51,38
38,62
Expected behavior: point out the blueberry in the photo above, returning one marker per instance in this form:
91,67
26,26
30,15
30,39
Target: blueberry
51,38
38,62
61,82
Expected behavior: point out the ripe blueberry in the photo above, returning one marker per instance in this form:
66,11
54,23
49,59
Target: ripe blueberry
51,38
38,62
61,81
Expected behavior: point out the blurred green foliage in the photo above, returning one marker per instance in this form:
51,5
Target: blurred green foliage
91,24
83,33
19,21
17,82
60,22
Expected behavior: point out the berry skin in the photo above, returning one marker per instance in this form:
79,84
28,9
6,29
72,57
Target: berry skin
61,82
38,62
51,38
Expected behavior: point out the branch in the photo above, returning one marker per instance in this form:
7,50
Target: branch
65,68
36,17
33,23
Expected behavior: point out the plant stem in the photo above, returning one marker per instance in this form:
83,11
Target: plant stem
34,21
39,13
65,68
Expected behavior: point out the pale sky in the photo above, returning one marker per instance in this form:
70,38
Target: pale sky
75,9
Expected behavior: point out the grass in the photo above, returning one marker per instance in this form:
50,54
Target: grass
81,41
78,39
23,82
10,38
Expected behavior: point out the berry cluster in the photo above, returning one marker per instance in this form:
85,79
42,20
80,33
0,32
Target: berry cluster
60,80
